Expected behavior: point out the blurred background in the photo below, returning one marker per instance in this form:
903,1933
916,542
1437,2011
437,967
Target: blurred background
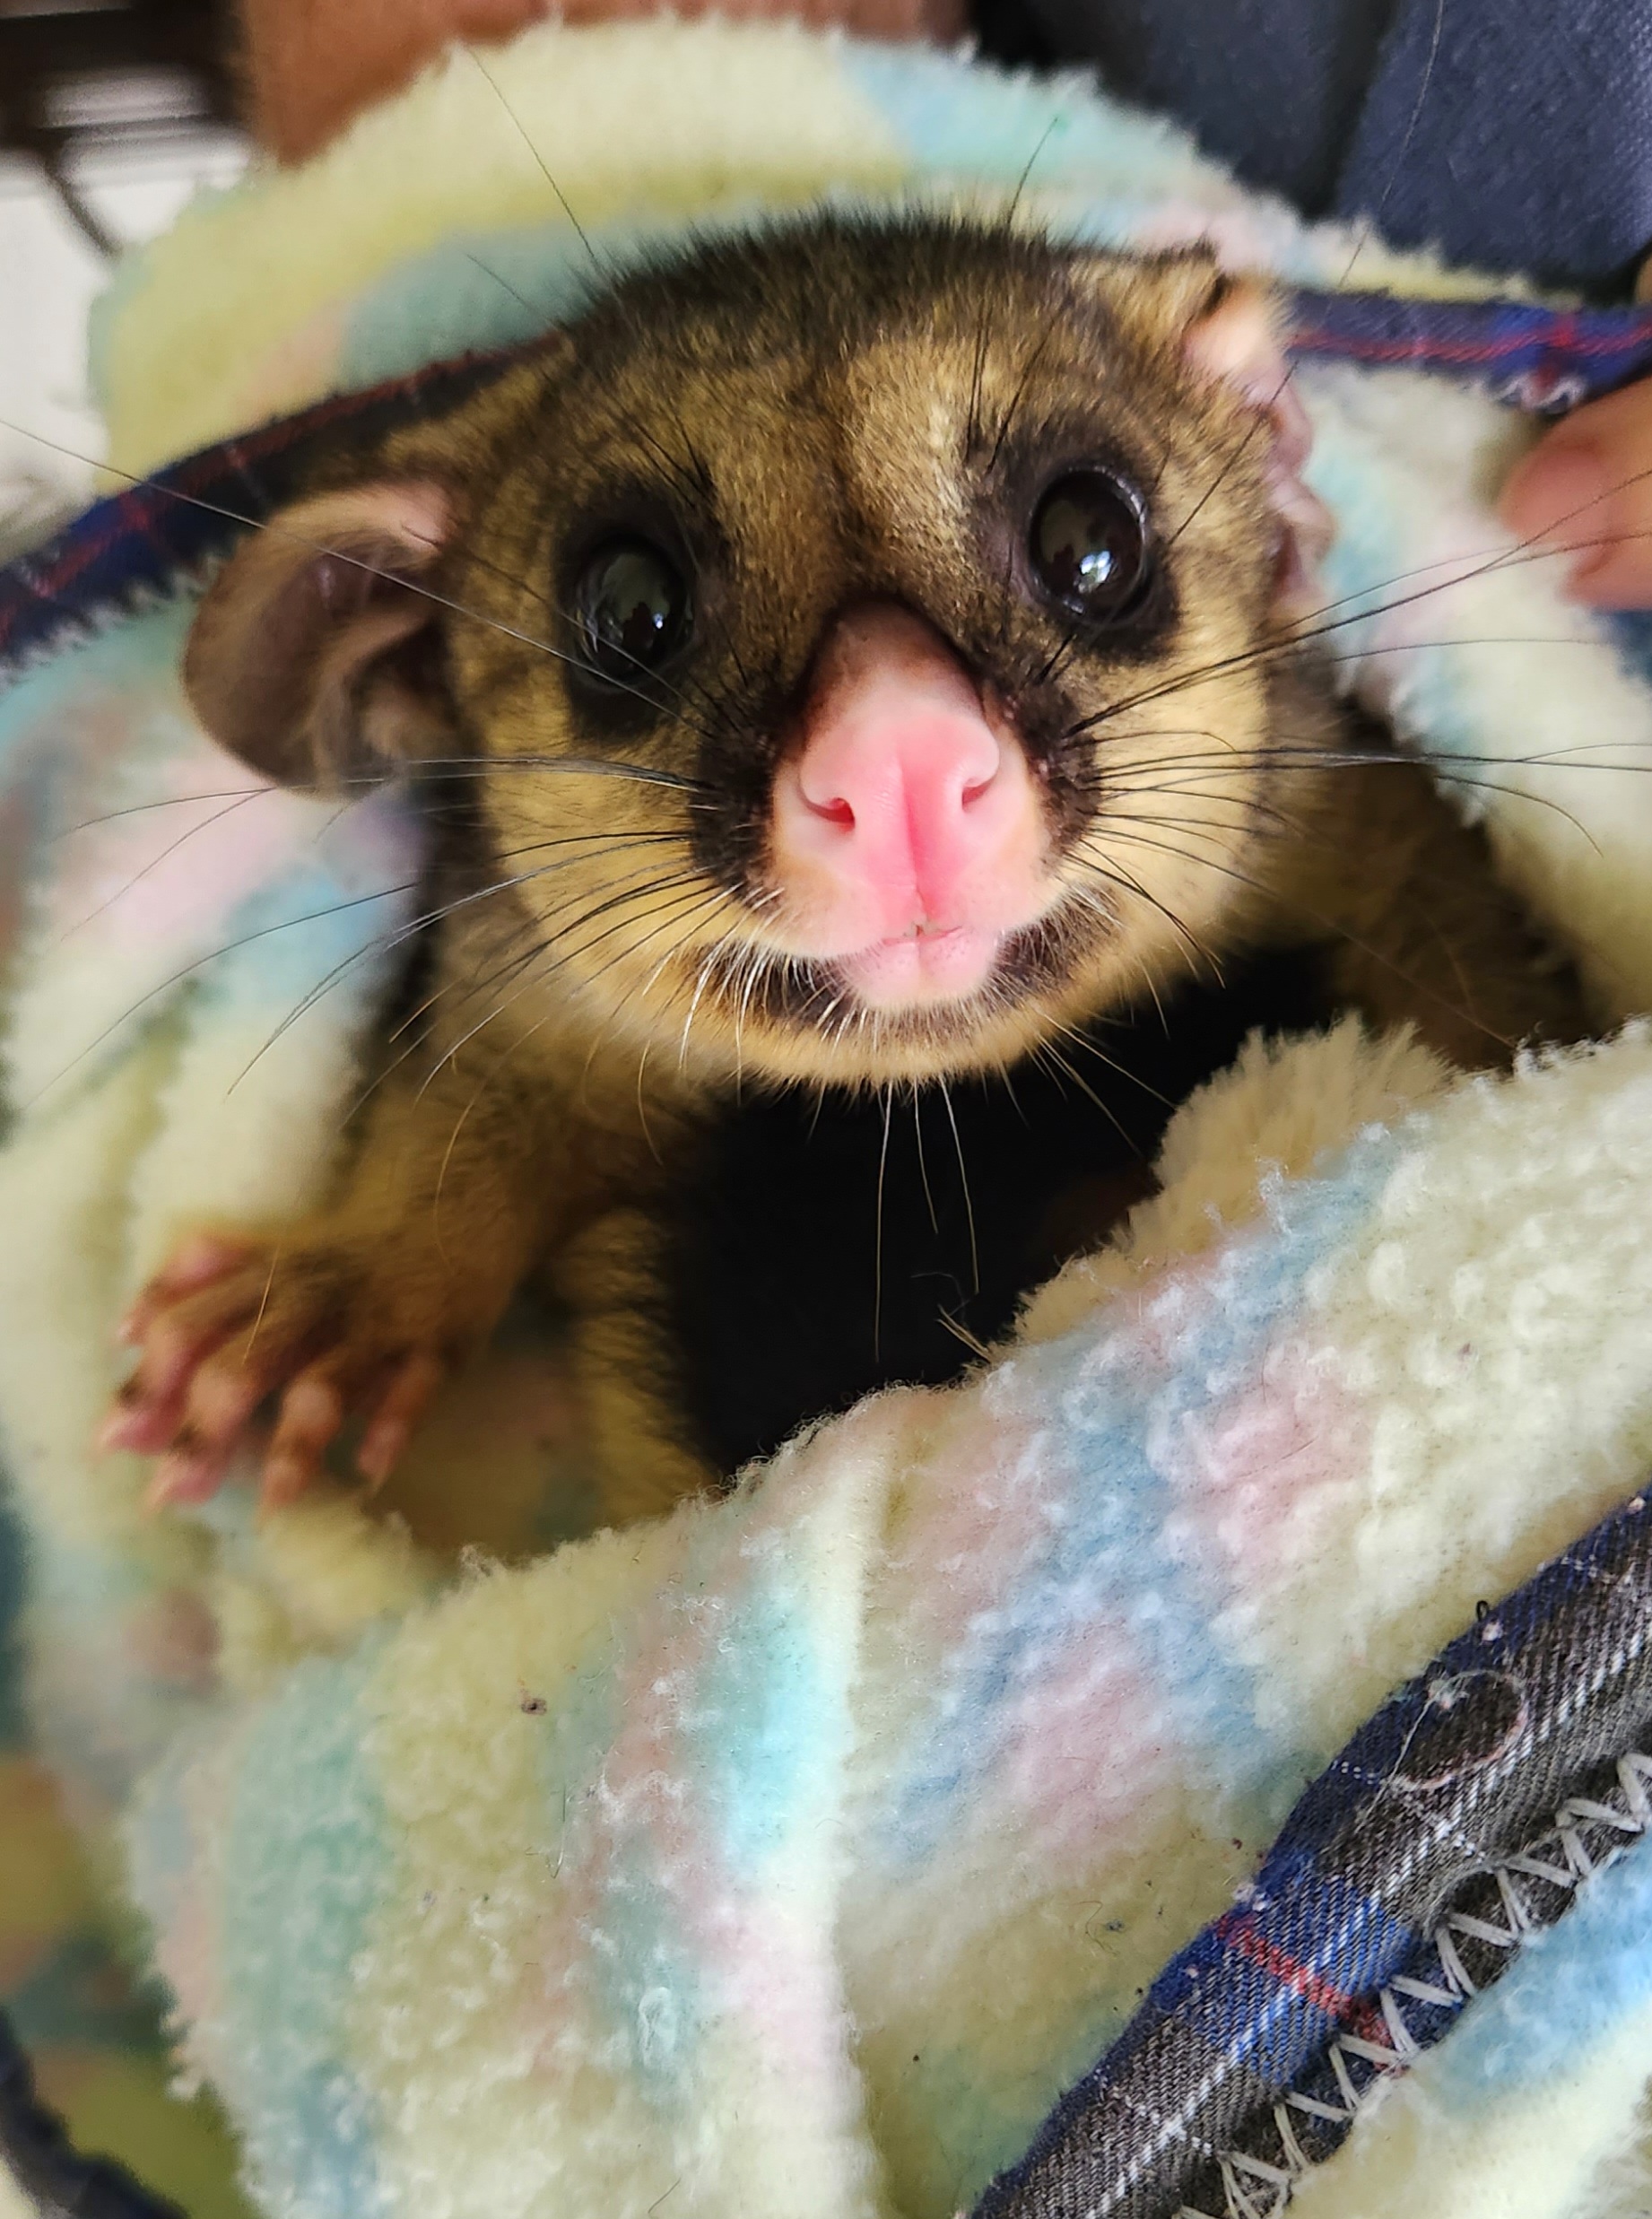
112,113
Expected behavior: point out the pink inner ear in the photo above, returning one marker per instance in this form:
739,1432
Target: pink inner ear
410,514
1236,344
290,631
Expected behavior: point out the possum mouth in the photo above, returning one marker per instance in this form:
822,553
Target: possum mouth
825,995
928,967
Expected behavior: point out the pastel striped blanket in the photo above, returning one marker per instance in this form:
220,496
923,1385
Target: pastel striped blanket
794,1855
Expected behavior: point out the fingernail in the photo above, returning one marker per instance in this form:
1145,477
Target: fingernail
113,1433
1563,494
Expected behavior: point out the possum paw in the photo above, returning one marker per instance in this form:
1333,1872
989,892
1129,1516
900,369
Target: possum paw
306,1326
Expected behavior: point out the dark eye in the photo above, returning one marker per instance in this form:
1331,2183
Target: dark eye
1088,546
633,608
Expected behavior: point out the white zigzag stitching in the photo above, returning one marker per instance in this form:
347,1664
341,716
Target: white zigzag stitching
1564,1857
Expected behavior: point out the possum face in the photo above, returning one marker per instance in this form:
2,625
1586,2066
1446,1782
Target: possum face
852,650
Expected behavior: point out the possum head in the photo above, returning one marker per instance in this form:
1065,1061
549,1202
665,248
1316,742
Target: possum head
854,652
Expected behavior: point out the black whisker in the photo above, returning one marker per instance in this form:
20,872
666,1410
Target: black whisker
155,861
1018,396
1330,926
584,238
1291,644
877,1248
214,955
503,282
336,554
383,944
1116,874
963,1181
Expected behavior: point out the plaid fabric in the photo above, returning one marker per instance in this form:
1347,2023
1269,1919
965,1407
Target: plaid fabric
147,539
1493,1783
1545,359
161,530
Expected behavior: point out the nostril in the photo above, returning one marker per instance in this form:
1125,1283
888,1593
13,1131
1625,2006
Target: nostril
836,811
973,791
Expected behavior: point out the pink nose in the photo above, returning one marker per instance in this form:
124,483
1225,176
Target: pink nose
900,809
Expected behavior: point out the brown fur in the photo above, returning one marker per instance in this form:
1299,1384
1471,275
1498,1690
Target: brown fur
842,411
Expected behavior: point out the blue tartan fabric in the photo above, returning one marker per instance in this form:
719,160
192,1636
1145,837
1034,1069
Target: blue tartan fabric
151,536
1457,1821
1542,359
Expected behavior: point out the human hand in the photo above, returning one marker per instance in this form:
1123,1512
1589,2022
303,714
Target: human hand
1588,485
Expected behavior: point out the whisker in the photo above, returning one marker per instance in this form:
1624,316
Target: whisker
1334,929
451,1055
1119,876
877,1254
522,132
524,1039
199,963
923,1168
1291,643
1093,1048
963,1180
422,924
1047,1049
708,901
336,554
503,282
382,946
154,863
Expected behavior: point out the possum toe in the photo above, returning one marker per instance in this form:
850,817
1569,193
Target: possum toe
400,1408
297,1332
312,1412
182,1323
194,1265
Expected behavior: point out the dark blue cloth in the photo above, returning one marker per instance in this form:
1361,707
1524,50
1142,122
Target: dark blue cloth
1514,134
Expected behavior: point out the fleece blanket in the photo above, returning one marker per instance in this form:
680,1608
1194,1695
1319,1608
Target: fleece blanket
794,1854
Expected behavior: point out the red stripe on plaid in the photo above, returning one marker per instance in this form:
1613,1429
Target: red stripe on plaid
1306,339
1313,1987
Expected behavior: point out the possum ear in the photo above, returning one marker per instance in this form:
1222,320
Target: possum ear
305,657
1226,329
1232,339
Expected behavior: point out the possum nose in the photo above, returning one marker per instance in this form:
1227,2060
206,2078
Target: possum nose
898,778
905,805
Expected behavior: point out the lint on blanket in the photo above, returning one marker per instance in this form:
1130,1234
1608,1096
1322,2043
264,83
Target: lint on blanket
922,1827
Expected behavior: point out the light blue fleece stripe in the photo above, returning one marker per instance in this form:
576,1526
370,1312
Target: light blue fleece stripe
1107,1556
1568,1991
309,1857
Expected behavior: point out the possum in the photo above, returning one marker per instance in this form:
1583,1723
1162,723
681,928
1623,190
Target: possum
861,664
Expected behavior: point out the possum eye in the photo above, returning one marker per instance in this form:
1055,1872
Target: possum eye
631,605
1088,546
